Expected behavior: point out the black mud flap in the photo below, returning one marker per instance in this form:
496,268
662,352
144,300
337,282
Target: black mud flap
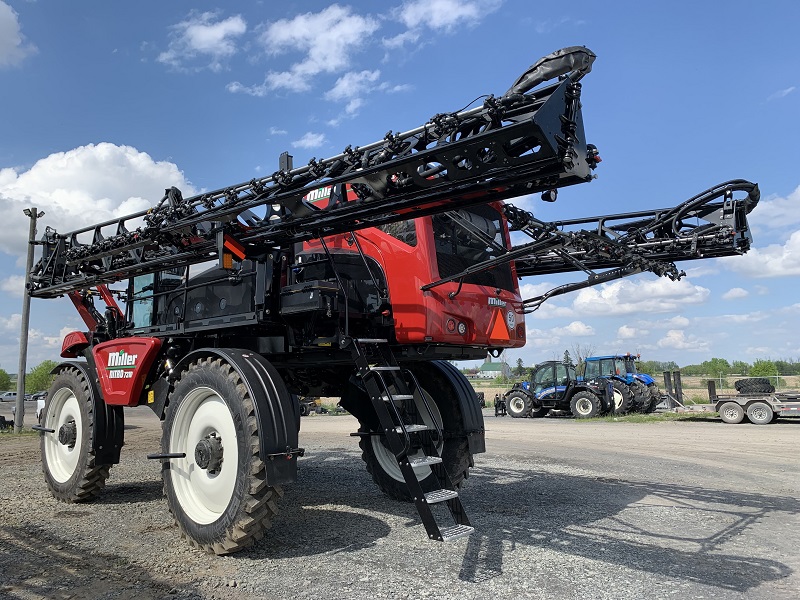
108,433
278,413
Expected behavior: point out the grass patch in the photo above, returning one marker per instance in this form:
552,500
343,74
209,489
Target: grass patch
26,431
656,417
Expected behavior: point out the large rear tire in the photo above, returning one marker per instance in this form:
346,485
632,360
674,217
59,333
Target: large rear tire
218,493
453,449
68,461
641,396
622,397
755,385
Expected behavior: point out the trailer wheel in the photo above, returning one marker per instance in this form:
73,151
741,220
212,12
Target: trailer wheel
731,412
454,450
217,493
518,404
68,461
585,405
623,397
760,413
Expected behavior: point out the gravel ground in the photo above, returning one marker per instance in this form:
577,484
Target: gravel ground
563,509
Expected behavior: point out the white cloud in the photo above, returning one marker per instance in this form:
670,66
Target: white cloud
676,322
328,40
627,332
775,260
735,293
444,15
310,140
776,212
575,329
277,131
634,297
781,93
80,187
678,340
13,285
13,48
202,35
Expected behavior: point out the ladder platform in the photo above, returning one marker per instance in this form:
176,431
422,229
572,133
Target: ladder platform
372,341
455,531
440,496
413,428
422,461
377,368
391,397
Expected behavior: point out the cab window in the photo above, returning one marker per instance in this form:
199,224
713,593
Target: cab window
142,300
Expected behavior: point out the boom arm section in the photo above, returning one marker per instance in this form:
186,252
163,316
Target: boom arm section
708,225
530,139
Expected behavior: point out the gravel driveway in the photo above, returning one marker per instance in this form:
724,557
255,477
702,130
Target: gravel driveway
563,509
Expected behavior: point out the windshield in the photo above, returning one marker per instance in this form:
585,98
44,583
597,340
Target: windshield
467,237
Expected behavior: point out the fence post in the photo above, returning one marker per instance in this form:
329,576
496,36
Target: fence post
668,389
676,376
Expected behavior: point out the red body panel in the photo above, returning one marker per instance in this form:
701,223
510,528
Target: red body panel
74,344
122,366
421,317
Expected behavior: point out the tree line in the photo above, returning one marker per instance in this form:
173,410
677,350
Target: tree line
38,379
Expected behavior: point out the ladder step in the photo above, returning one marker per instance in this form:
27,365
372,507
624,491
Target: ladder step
376,368
386,398
455,531
440,496
422,461
372,341
413,428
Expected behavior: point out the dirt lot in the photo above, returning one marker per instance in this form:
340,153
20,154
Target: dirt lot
563,509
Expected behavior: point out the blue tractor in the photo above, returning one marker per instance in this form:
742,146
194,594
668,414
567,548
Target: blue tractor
633,391
553,385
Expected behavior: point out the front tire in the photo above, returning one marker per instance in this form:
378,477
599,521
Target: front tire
218,493
68,461
585,405
518,404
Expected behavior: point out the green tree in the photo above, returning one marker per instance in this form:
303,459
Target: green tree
5,381
763,368
39,378
740,367
520,370
716,367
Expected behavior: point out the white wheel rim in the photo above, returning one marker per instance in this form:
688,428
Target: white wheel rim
387,460
618,399
203,496
584,406
759,413
517,404
62,461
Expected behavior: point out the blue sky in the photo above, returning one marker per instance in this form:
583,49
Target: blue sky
105,104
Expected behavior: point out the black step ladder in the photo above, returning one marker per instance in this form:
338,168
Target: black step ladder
406,433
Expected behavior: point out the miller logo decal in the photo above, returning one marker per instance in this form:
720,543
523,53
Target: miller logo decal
496,302
121,364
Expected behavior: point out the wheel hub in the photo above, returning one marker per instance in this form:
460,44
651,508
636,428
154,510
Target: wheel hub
208,453
68,434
